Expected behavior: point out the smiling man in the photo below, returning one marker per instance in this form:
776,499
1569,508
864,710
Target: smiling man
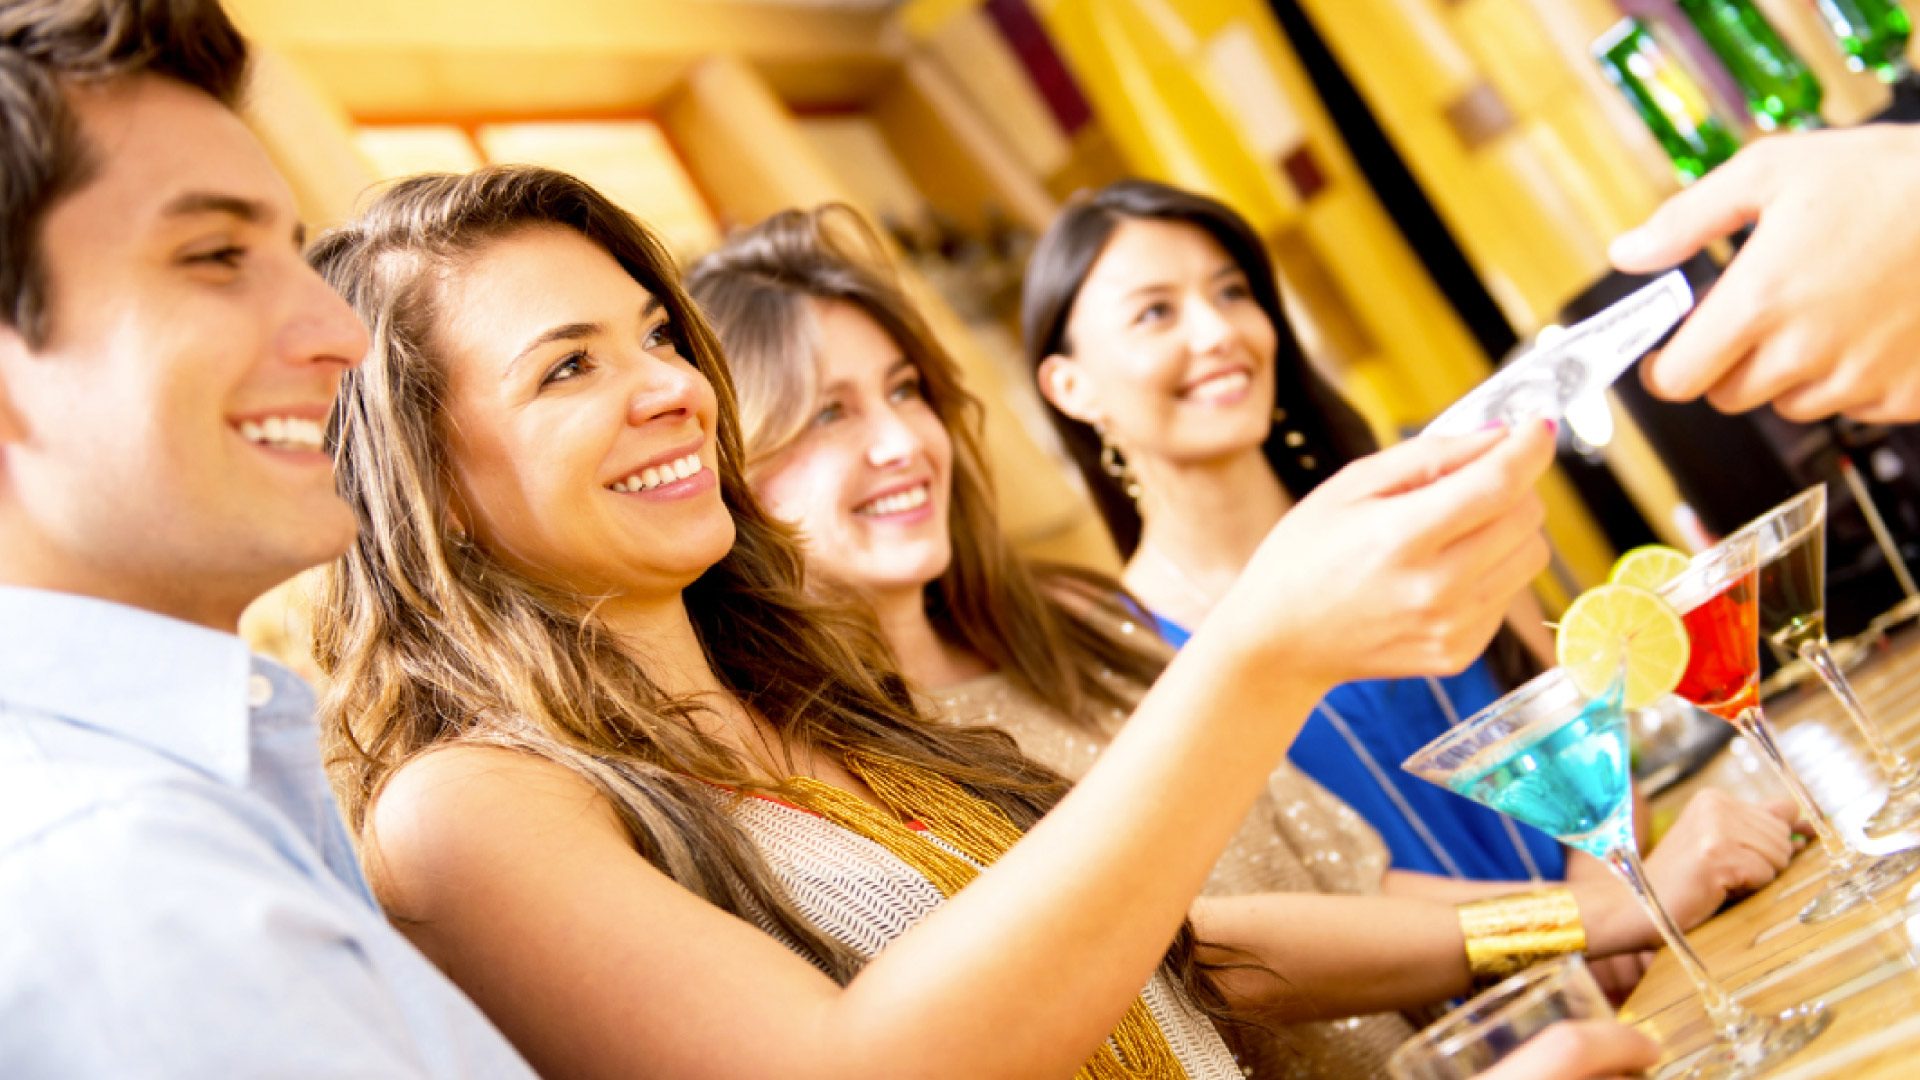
179,893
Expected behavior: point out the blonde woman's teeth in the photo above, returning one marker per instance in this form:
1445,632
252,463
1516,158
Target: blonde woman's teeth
911,499
652,477
285,433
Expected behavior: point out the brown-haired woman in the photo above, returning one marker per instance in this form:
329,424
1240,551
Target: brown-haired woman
660,814
860,433
1153,321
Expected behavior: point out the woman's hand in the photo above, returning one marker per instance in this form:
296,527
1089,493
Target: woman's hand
1617,976
1403,563
1718,847
1579,1050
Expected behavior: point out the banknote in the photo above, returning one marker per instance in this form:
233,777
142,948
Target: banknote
1586,359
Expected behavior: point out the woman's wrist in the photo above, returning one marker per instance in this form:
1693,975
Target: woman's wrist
1263,652
1615,922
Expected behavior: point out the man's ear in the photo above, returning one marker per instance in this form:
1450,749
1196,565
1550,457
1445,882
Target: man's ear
1064,385
13,354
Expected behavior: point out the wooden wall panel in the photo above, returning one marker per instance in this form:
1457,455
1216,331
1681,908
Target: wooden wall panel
953,151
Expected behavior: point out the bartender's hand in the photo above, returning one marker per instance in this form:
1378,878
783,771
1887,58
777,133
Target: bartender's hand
1579,1050
1817,313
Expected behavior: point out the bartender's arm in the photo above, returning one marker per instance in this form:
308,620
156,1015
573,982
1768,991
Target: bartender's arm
1819,313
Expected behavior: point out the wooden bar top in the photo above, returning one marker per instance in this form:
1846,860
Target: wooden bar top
1865,965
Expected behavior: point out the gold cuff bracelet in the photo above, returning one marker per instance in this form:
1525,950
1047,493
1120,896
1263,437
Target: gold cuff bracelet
1511,933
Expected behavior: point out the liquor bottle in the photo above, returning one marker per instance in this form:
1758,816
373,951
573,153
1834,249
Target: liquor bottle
1873,34
1670,101
1780,89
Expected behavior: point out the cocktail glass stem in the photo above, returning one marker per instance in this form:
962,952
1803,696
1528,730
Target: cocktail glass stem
1753,724
1881,535
1729,1019
1900,772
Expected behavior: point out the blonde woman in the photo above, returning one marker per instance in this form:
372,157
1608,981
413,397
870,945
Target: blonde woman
659,814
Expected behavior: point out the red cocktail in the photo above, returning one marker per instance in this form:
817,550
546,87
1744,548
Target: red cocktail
1718,597
1723,675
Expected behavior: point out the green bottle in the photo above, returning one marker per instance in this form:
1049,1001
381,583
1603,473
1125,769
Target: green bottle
1873,34
1668,98
1780,89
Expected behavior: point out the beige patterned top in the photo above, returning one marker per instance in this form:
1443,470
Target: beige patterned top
864,897
1298,838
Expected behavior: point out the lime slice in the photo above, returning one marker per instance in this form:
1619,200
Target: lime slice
1615,628
1649,566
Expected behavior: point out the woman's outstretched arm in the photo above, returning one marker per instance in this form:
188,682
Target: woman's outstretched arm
517,878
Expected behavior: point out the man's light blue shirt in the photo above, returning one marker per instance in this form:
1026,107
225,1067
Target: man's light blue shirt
178,897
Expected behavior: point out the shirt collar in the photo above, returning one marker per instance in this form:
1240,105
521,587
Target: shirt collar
172,686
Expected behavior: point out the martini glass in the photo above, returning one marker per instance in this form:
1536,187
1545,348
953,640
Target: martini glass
1718,598
1793,543
1557,761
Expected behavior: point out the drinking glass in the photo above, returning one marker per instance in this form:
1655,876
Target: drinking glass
1793,542
1478,1035
1557,761
1718,598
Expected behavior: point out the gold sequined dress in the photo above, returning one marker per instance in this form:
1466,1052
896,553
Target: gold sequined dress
1298,838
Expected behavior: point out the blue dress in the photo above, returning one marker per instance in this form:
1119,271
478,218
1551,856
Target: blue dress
1427,829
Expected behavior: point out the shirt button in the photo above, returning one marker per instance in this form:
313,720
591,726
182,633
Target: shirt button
259,691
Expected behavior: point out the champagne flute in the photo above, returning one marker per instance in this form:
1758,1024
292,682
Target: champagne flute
1718,598
1793,543
1550,757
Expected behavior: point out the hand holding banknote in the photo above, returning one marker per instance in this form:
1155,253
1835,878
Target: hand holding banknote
1815,315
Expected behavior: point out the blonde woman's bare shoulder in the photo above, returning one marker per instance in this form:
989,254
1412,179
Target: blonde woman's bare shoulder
459,813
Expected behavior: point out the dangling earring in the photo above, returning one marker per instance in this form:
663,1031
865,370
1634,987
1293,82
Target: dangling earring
1115,465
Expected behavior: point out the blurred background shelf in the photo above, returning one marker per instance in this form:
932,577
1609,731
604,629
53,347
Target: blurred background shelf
1437,179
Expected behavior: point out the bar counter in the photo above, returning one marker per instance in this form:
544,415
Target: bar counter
1865,964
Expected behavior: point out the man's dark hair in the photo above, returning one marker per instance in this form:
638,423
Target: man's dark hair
48,45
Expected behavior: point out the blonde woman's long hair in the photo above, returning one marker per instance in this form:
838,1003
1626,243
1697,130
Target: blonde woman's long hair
428,640
1070,637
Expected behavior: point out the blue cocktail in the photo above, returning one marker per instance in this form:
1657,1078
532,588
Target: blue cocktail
1570,783
1553,759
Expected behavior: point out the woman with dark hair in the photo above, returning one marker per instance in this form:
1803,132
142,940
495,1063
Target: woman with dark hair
661,813
1153,321
860,432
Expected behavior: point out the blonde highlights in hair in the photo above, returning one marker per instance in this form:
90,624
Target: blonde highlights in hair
428,640
1064,634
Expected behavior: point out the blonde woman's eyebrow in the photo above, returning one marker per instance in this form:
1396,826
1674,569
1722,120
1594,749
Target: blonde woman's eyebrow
575,331
564,332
